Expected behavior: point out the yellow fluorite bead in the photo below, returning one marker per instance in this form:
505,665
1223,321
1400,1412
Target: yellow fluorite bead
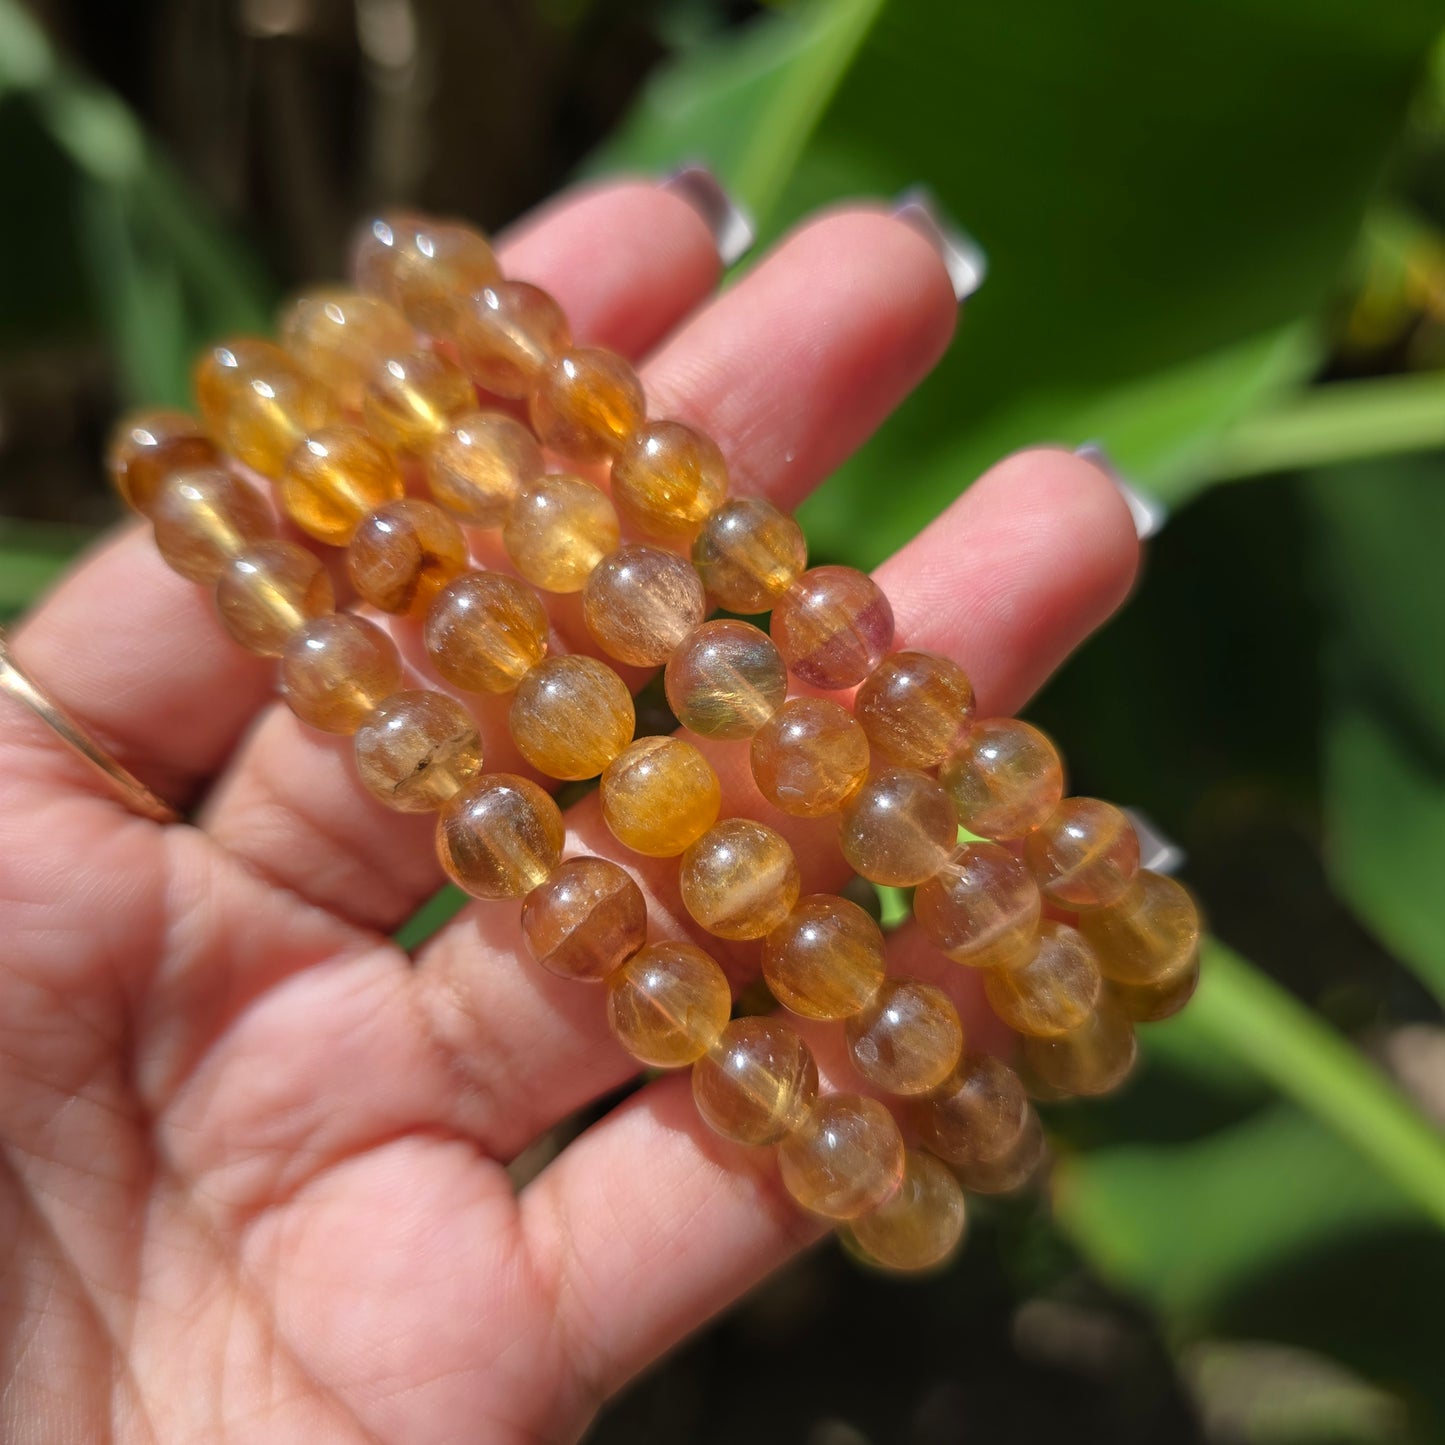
559,530
915,707
268,591
339,336
204,518
898,828
640,602
336,670
478,468
1012,1169
846,1159
1051,992
485,631
404,554
833,625
1005,778
417,749
1085,854
748,554
422,265
334,478
668,1004
810,757
571,716
977,1115
1148,936
667,479
1093,1058
500,837
413,397
148,447
587,919
1148,1003
505,333
826,959
757,1083
981,908
587,403
908,1040
921,1226
725,679
659,795
740,879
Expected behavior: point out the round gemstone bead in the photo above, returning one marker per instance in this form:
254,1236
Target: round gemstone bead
640,602
725,679
506,333
748,554
404,554
259,404
587,403
977,1115
559,530
267,592
485,631
339,336
810,757
668,1004
150,446
422,265
417,749
334,478
667,479
659,796
740,879
500,836
1149,935
1094,1058
908,1040
846,1159
204,518
826,959
587,919
898,828
915,707
1085,854
757,1083
833,626
478,467
1148,1003
1005,778
413,397
1012,1169
336,670
571,716
981,908
921,1225
1054,990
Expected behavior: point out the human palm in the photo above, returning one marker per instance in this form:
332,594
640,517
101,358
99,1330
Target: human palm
256,1180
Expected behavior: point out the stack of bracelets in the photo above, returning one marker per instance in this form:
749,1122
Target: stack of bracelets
370,400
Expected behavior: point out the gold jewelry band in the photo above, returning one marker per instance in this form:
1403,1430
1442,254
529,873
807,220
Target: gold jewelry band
132,792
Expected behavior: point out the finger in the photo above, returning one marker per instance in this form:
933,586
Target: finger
841,322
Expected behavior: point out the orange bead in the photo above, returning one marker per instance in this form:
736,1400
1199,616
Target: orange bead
485,631
846,1159
339,336
404,554
506,333
898,828
571,716
1005,778
668,1004
748,554
667,479
977,1115
915,707
725,679
500,837
921,1226
825,960
587,403
417,750
1085,854
148,447
268,591
204,518
559,530
587,919
740,879
1149,1003
810,757
1093,1059
1012,1169
659,795
336,670
981,908
757,1083
422,265
477,469
412,398
259,404
833,626
908,1040
1148,936
640,602
334,479
1054,990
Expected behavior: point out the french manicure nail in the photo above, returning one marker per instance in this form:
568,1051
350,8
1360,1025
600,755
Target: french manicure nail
1149,513
732,227
965,259
1157,852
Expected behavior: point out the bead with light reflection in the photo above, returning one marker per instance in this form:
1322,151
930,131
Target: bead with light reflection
898,828
740,879
640,602
339,336
978,1113
422,265
1148,936
659,795
915,708
477,468
810,757
268,591
585,920
505,334
748,554
1085,854
571,716
845,1159
403,554
204,518
908,1040
1053,990
500,837
1005,778
921,1225
981,908
1092,1059
417,749
826,959
413,397
725,679
586,404
148,447
559,529
336,670
335,478
757,1083
833,625
667,479
485,631
668,1004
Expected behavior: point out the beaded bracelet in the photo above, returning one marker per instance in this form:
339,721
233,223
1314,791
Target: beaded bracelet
1049,899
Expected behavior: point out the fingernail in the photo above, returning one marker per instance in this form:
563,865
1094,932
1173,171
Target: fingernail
1157,851
1149,513
965,259
732,228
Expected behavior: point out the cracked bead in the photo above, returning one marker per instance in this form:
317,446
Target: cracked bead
659,795
586,920
404,554
981,908
417,749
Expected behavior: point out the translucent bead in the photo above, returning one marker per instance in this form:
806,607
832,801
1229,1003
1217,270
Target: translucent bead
204,518
667,1005
571,716
667,479
725,679
334,479
1012,1169
1094,1058
148,447
640,602
1005,778
1051,992
259,404
1149,1003
485,631
267,592
478,467
414,397
659,796
417,750
825,960
1149,935
404,554
740,879
339,336
587,919
336,670
908,1040
981,908
757,1083
1085,854
587,403
560,528
506,333
500,837
915,707
977,1115
748,554
846,1159
810,757
833,626
422,265
898,828
921,1225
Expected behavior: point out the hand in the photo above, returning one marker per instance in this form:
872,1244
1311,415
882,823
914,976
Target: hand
256,1182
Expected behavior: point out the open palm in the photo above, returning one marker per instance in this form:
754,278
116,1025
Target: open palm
255,1182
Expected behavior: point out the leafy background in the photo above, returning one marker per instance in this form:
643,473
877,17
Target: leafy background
1215,234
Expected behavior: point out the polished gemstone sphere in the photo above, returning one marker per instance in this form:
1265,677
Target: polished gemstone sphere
1011,1170
667,479
204,518
846,1159
339,336
268,591
899,828
921,1225
413,398
908,1040
915,708
477,468
559,530
500,837
148,447
668,1004
1094,1058
977,1115
1005,778
748,554
640,602
1054,990
505,333
586,404
659,796
485,631
826,959
810,757
585,920
1148,1003
336,670
422,265
403,554
740,879
571,716
417,749
757,1083
1085,854
833,625
981,908
1148,936
725,679
335,478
